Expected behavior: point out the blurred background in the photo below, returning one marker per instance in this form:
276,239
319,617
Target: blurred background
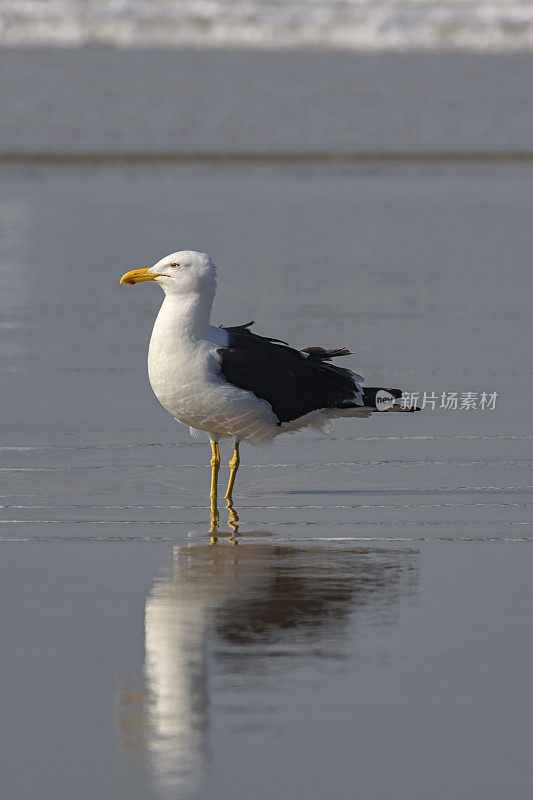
265,76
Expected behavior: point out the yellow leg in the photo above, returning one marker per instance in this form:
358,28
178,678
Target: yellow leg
233,467
215,466
233,517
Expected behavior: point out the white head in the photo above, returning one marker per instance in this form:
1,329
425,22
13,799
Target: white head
183,273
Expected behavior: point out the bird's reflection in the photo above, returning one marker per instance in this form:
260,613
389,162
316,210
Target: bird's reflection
221,610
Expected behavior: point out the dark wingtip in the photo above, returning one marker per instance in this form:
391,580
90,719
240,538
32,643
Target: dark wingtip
326,355
237,327
341,351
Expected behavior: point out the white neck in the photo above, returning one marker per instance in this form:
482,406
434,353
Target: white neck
178,357
189,314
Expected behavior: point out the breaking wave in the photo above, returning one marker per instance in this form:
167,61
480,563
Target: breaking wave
342,24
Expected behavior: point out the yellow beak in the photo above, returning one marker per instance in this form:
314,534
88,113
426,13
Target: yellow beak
138,276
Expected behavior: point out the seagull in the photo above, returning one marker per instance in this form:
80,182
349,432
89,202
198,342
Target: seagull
233,384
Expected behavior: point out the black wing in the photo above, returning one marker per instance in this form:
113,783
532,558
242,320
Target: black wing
293,383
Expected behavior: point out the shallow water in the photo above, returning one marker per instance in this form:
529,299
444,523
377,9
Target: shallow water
95,100
267,668
371,631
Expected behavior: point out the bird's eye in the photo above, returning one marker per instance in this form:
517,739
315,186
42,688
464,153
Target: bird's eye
174,264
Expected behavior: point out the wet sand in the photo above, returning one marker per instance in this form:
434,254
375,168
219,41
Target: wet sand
371,631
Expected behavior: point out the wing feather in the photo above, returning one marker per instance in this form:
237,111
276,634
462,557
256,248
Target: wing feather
293,382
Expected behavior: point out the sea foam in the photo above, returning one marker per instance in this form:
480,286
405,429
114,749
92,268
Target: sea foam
342,24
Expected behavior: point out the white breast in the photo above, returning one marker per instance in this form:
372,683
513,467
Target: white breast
184,371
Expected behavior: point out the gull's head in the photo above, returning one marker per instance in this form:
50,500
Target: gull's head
181,273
